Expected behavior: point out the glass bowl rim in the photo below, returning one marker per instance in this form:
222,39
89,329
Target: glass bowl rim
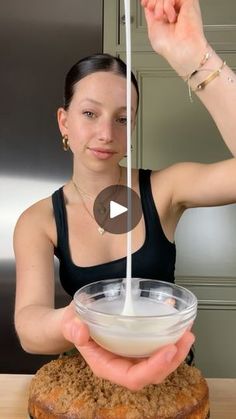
85,309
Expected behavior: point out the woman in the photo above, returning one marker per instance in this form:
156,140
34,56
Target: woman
93,126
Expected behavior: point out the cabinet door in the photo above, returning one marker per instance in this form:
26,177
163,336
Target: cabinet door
214,326
219,24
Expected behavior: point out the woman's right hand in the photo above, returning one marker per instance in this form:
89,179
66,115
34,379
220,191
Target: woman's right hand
127,372
175,31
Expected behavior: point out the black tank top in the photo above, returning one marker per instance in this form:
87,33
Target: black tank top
154,260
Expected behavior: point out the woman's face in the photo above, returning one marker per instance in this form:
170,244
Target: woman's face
95,121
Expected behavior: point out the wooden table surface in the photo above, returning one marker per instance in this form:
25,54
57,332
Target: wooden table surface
14,396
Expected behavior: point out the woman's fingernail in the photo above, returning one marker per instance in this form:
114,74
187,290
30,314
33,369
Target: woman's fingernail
170,354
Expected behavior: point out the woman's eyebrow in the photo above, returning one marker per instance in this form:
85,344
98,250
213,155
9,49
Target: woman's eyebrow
96,102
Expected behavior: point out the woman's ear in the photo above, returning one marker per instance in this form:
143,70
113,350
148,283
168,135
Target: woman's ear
62,120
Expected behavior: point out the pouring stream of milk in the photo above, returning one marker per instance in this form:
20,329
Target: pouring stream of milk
128,309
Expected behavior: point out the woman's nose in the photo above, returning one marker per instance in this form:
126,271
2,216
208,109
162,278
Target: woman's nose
106,131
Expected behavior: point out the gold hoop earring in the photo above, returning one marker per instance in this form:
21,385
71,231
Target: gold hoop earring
65,142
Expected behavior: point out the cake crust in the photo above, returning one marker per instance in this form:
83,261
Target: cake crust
66,388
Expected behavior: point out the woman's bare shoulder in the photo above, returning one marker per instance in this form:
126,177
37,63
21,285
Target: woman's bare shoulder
38,216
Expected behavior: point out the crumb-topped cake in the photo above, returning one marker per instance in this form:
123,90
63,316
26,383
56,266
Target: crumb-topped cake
66,388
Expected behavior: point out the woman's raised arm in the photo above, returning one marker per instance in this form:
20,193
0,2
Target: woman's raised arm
175,31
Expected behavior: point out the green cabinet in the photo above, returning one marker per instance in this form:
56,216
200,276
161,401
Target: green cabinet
219,23
171,129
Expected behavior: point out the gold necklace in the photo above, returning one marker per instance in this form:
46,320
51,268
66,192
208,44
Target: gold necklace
80,192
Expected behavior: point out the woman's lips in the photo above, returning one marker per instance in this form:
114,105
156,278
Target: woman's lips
102,153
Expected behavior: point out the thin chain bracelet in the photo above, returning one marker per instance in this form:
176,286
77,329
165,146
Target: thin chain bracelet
214,73
211,76
205,58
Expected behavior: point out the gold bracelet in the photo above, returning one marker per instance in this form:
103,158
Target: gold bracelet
187,78
211,77
203,61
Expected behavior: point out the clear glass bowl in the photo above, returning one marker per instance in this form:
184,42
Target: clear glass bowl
163,312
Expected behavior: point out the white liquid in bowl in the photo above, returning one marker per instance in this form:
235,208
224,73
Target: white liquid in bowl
143,307
134,336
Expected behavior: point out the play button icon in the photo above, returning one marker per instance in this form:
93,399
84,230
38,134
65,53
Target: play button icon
117,209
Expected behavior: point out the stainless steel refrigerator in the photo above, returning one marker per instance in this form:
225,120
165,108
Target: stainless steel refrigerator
39,42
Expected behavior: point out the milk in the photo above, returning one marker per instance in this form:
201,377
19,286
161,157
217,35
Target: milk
143,306
135,336
128,308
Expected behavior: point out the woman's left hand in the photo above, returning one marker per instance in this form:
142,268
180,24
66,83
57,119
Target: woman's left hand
127,372
136,373
175,31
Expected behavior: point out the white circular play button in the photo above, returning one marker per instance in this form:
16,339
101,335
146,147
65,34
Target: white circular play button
117,209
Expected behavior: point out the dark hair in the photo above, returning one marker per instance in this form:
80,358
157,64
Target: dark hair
92,64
